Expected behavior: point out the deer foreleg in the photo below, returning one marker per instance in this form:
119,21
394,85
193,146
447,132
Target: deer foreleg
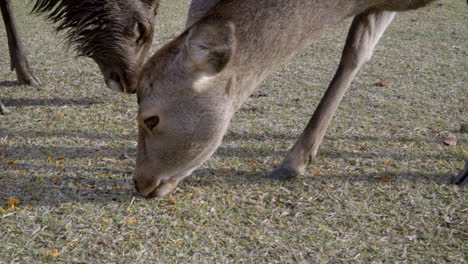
19,61
3,109
462,178
366,30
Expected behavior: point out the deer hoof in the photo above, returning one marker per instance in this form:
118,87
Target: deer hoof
282,173
31,80
26,77
462,178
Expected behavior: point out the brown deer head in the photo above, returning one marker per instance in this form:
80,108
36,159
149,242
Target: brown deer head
116,34
184,105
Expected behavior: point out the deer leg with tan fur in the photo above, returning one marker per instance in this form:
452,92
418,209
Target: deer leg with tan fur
3,109
19,61
365,32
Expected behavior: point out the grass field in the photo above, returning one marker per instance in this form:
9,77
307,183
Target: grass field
378,191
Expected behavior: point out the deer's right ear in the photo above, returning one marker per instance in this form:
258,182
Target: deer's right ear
209,46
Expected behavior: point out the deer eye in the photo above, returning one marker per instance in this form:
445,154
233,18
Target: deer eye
151,122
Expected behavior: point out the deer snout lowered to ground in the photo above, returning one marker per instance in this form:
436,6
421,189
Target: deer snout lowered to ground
190,89
116,34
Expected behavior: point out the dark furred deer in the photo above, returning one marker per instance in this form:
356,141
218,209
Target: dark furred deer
190,89
116,34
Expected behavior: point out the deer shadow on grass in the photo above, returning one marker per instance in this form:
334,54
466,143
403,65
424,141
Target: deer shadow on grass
118,186
86,101
49,184
52,175
268,135
248,153
82,134
265,150
40,190
10,83
235,178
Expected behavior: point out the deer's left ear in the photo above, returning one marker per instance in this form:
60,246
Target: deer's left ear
209,45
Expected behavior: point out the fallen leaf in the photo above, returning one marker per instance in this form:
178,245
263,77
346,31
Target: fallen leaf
383,179
12,162
383,84
12,203
52,253
450,141
172,200
72,244
254,234
131,221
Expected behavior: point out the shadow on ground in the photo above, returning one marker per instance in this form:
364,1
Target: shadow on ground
53,185
84,134
10,83
37,191
87,101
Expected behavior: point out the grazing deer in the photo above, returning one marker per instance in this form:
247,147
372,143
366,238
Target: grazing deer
116,34
190,88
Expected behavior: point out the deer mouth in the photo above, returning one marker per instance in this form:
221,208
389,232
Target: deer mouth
163,189
159,189
117,79
119,82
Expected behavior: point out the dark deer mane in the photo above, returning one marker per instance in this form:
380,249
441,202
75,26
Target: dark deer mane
83,20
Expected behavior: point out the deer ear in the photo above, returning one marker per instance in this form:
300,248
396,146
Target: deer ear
209,45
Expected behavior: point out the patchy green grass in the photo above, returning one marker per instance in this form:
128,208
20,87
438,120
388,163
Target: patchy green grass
377,193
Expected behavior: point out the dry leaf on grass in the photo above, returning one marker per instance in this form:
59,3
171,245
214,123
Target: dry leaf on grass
450,141
12,162
383,84
131,221
72,244
12,203
52,253
383,179
254,234
172,200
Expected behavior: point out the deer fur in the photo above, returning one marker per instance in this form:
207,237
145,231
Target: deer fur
116,34
190,89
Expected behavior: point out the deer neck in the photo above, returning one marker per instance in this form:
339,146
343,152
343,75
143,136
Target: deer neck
268,35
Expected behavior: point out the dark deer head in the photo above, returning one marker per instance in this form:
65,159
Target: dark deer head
116,34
